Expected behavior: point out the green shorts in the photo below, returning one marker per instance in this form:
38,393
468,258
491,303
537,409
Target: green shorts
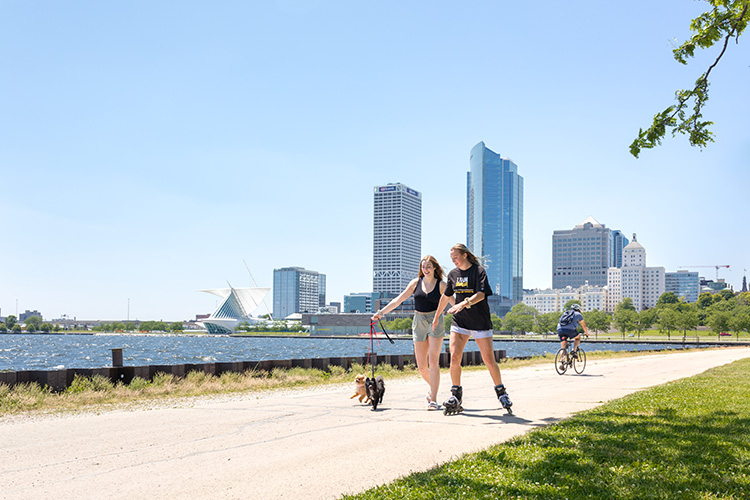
421,326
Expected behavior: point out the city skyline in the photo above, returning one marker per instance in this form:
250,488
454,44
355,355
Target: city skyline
139,170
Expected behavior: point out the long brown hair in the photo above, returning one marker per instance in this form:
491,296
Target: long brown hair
469,256
438,271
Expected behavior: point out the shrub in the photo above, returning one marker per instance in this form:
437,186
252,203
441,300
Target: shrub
97,383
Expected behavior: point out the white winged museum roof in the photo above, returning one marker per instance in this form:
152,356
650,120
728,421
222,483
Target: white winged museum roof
238,302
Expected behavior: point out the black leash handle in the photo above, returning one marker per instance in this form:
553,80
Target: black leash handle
380,322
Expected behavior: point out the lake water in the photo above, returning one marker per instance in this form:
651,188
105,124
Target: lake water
46,352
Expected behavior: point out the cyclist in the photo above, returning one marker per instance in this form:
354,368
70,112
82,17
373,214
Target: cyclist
567,327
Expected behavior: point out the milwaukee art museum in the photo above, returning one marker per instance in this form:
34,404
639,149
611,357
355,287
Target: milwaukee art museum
236,307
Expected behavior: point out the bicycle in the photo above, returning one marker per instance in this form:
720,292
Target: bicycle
564,360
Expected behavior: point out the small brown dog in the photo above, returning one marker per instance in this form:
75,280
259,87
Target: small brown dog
359,388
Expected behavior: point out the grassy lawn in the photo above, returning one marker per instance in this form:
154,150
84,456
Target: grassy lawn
688,439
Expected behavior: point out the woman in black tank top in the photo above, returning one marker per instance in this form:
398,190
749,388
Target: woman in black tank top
427,289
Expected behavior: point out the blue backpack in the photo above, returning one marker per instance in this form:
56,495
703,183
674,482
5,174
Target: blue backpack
567,317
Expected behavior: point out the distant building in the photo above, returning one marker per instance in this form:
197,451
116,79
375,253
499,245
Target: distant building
361,302
683,284
712,286
297,290
644,285
337,324
551,300
397,237
583,254
619,242
321,290
494,224
27,314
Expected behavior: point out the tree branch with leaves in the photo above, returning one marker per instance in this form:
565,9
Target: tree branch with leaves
726,20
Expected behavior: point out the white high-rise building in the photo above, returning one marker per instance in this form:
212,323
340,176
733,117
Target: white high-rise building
397,237
554,300
644,285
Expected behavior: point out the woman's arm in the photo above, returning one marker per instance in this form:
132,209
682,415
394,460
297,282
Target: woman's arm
451,300
408,291
468,302
444,299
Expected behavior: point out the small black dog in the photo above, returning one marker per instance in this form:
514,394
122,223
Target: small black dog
375,388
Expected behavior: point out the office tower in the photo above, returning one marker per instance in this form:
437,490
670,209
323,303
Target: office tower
619,242
684,284
296,290
582,255
397,237
644,285
321,290
494,224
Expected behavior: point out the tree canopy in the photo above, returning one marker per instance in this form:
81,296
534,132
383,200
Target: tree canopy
724,21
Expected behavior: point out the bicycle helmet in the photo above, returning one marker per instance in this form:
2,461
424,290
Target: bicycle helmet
576,307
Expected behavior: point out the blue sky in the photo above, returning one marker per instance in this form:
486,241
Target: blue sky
148,148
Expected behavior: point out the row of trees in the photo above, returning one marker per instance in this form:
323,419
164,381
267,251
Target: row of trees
34,324
722,312
145,326
275,326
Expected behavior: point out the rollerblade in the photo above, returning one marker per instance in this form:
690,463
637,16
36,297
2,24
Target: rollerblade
452,405
502,396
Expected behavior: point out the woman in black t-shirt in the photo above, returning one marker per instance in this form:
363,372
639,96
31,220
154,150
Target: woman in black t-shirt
471,318
428,290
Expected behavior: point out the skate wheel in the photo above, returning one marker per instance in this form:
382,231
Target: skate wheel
510,412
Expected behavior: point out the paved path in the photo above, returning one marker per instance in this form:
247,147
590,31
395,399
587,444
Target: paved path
313,444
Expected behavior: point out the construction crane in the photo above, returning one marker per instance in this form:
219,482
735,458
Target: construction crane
715,267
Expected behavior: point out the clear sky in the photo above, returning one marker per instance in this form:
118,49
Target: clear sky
148,148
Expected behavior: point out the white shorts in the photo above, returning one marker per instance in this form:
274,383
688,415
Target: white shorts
477,334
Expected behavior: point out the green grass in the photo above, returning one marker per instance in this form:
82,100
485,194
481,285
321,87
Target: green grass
100,393
688,439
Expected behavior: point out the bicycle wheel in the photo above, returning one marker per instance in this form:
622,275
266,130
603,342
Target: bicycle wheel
579,363
561,361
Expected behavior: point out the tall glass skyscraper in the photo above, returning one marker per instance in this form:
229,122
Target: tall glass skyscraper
619,241
397,237
494,223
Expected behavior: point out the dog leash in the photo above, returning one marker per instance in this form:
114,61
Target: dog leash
380,321
372,335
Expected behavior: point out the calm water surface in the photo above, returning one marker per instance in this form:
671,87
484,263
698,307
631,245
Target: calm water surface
46,352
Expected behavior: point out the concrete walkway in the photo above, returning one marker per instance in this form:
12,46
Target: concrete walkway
313,444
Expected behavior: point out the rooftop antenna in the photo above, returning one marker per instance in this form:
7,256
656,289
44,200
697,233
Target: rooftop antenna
270,316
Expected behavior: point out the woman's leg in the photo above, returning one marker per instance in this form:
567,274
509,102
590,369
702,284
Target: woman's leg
420,353
488,356
457,345
436,344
